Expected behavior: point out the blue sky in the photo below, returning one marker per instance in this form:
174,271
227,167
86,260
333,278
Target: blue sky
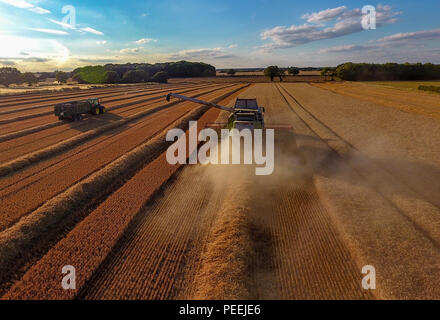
226,33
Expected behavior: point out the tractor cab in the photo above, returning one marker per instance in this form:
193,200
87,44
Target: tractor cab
94,101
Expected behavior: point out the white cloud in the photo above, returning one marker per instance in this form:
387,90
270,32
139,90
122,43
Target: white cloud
130,50
344,48
232,46
69,26
62,24
51,31
91,30
26,5
418,35
380,54
39,10
354,13
18,3
144,40
33,50
201,54
7,63
324,15
405,39
348,22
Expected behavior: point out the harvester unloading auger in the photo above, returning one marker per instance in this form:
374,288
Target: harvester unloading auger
246,114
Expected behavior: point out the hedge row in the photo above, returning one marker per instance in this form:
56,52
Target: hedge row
430,88
388,71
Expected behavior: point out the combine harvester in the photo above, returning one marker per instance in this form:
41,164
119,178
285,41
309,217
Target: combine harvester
74,110
246,114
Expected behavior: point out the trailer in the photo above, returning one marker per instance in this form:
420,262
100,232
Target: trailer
74,110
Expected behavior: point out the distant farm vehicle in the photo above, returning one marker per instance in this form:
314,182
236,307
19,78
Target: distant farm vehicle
74,110
246,114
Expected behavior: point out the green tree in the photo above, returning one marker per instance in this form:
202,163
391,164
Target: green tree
388,71
141,75
272,72
208,73
78,78
161,77
281,74
231,72
61,76
332,73
135,76
90,74
329,72
128,77
293,71
44,75
29,78
112,77
9,76
324,72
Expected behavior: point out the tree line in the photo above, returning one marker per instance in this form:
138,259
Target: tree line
368,72
387,72
142,72
161,72
114,73
275,71
9,75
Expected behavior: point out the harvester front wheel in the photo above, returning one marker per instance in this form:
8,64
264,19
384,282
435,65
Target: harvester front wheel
97,111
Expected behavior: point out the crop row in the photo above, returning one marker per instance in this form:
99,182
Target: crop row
24,114
96,234
27,143
33,157
51,97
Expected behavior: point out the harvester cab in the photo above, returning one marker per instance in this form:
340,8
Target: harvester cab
246,114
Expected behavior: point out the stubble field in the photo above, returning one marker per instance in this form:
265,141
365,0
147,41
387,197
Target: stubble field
356,183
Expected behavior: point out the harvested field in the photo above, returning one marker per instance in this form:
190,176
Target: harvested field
404,85
261,73
64,130
418,102
356,182
96,152
250,79
153,170
44,88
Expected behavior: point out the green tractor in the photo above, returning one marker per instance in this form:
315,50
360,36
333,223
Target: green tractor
74,110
